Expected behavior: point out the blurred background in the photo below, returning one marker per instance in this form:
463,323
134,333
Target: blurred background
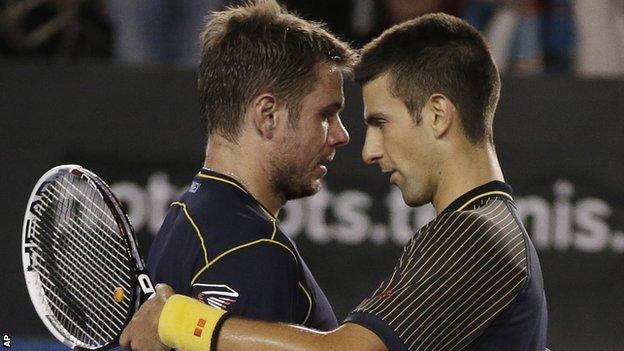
111,85
577,37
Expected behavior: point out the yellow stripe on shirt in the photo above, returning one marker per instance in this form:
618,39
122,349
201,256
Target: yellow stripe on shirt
484,195
199,234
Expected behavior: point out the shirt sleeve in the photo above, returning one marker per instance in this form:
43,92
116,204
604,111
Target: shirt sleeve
175,253
257,281
449,284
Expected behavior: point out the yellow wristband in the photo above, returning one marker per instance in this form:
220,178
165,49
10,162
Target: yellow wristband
188,324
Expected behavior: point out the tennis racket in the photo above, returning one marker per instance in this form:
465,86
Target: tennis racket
81,261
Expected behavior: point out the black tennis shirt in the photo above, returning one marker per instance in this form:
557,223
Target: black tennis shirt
468,280
219,245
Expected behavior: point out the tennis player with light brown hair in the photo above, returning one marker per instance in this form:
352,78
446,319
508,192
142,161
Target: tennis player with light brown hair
270,86
468,280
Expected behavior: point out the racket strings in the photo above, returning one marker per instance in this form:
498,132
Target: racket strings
47,250
63,264
82,226
69,306
104,239
69,321
90,214
75,255
74,229
77,226
96,322
95,263
82,238
83,280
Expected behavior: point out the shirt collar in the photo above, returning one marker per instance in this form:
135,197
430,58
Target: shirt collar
493,188
210,174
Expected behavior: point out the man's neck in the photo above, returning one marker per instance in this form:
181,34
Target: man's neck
463,173
245,165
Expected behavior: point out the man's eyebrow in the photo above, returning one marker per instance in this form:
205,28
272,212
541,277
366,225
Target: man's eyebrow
334,107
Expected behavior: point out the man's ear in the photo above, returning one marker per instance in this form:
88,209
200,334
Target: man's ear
264,114
443,112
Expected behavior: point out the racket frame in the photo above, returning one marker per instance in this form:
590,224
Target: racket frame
141,282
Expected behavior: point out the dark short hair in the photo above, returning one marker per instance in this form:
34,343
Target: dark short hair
437,53
255,48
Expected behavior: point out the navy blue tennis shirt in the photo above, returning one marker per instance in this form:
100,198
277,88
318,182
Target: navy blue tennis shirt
220,245
469,280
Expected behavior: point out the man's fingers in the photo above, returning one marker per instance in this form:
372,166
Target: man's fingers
141,334
123,339
164,290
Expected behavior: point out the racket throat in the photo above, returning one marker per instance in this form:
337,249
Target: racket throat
146,284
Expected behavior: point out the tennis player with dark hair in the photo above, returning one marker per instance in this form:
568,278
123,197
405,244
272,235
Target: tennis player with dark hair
270,86
468,280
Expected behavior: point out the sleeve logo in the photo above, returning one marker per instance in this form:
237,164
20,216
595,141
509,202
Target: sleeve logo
218,296
385,295
194,187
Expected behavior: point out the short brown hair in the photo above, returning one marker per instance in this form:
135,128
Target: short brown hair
437,53
260,47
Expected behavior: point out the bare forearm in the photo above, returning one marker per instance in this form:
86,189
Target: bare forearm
239,334
184,323
243,334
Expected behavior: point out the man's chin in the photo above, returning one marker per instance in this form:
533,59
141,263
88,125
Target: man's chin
302,191
411,200
315,186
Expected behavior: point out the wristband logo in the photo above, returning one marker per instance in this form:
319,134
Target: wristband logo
201,323
218,296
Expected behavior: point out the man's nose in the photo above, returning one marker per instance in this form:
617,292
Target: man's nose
338,134
372,150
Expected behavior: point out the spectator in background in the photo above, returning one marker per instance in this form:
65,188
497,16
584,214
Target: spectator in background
526,36
159,31
600,27
398,11
361,20
54,28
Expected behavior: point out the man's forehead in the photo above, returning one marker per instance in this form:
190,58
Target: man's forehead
328,75
374,93
378,84
379,102
327,90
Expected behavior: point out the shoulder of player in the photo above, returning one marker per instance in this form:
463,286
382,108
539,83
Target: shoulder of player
489,219
257,257
226,218
214,232
483,240
242,235
490,227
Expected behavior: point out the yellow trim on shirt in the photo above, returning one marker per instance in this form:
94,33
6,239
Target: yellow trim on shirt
201,175
269,215
309,302
484,195
222,180
270,241
199,234
274,230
